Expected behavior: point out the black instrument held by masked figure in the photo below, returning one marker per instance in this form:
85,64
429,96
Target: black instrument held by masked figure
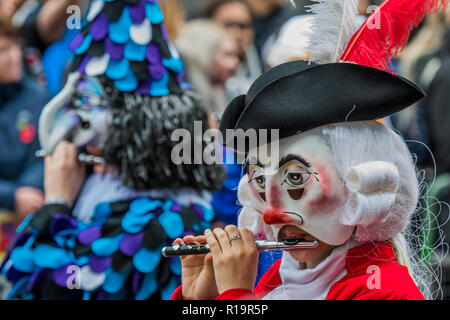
182,249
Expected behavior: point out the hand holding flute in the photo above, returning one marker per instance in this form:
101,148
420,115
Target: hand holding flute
224,259
232,263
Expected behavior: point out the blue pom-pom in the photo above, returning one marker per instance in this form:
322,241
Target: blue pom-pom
176,65
101,211
208,213
114,281
133,224
135,52
148,287
160,87
145,260
81,261
46,256
175,266
154,13
22,259
105,247
84,45
119,31
167,291
143,205
127,84
167,205
118,68
172,223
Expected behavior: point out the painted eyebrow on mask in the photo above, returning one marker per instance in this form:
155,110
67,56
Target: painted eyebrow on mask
291,157
282,162
247,163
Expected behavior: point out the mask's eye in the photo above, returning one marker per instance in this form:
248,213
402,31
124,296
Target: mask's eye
87,100
295,179
259,182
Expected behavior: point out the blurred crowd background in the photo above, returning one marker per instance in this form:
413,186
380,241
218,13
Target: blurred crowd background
225,45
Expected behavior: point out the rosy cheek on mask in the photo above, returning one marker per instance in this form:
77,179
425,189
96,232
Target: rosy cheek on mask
328,199
258,197
275,196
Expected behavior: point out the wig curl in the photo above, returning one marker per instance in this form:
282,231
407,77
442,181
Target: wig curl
380,176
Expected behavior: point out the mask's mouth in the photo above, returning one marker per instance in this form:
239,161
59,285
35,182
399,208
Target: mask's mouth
290,234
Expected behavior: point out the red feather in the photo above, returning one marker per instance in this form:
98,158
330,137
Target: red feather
386,31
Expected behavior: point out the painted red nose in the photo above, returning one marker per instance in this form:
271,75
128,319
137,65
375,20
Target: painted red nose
275,216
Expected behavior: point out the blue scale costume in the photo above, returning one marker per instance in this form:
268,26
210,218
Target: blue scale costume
115,256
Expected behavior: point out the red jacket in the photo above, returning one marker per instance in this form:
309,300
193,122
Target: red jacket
360,283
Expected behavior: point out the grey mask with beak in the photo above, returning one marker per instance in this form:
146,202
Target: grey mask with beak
79,114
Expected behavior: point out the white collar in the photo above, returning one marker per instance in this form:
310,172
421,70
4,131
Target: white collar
108,188
310,284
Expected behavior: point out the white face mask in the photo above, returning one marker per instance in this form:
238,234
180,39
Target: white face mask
301,187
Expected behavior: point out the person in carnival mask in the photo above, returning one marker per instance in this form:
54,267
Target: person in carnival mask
340,177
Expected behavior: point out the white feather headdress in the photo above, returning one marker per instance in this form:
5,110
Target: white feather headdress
334,24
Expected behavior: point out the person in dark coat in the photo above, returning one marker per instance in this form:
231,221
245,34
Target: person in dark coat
21,101
437,112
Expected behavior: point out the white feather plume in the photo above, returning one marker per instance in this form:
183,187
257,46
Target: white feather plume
334,24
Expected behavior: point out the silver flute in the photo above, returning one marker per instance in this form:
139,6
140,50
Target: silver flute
182,249
82,157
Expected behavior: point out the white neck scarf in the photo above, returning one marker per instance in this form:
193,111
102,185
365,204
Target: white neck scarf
310,284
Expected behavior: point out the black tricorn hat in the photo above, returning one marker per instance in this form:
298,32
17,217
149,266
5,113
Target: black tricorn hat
298,96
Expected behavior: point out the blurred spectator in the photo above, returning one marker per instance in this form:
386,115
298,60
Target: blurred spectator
290,42
366,7
58,56
437,108
194,8
426,61
174,17
9,7
236,17
419,62
41,23
21,101
418,59
269,15
212,57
